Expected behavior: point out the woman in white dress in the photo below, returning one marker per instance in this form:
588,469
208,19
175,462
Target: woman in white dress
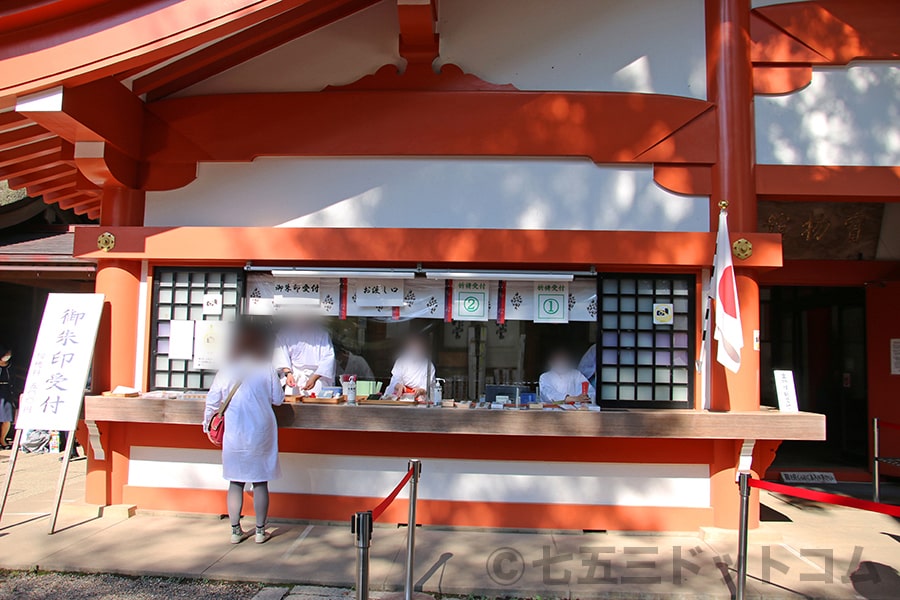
250,443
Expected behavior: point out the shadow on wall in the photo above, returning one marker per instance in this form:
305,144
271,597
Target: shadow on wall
537,49
845,116
421,193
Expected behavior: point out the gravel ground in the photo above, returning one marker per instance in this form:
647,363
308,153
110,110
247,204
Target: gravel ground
19,585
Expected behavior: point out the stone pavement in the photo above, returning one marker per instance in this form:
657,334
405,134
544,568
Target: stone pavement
802,550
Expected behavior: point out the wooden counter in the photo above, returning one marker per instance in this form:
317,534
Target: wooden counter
635,423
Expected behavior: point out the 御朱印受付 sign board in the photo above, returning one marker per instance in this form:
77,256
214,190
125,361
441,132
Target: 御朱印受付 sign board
54,388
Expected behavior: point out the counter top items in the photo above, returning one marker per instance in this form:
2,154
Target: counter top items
331,399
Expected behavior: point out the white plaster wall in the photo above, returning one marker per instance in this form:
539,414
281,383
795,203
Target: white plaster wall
423,192
655,46
596,484
337,54
845,116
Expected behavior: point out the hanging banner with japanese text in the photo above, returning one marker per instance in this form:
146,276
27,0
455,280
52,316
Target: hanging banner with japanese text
379,292
54,388
303,292
470,300
551,302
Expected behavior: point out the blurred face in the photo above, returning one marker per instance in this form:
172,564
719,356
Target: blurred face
416,348
560,363
6,357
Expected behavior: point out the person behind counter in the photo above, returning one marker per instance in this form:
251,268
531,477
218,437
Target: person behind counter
304,356
347,363
413,373
563,382
250,442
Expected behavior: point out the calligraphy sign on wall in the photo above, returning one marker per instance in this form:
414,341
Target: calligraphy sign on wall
54,388
824,230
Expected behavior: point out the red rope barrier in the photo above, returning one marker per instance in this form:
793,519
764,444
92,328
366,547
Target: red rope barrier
806,494
376,512
887,425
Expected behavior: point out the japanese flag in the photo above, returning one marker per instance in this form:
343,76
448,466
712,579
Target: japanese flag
728,313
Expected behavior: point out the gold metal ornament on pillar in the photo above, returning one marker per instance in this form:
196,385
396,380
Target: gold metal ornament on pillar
742,248
106,241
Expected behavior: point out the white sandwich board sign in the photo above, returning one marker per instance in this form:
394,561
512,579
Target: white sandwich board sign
54,388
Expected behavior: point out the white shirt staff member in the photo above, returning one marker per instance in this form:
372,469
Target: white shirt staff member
413,372
304,356
563,382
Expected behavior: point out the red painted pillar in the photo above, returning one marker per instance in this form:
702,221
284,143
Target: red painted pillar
114,356
882,326
730,87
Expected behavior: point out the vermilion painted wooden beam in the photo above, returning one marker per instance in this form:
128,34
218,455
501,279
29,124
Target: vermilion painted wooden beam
62,183
30,166
103,110
244,45
605,127
80,201
325,246
94,212
19,14
61,195
11,120
119,37
830,273
824,183
43,176
419,41
85,209
841,30
29,151
23,135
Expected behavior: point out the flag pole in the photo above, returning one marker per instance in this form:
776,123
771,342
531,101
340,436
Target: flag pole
706,340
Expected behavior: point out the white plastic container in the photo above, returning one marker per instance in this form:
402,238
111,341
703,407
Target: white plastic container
348,386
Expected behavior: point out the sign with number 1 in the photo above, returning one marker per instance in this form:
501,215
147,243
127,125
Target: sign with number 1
551,302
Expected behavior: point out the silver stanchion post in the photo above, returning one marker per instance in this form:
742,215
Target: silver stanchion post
416,466
744,483
876,491
361,525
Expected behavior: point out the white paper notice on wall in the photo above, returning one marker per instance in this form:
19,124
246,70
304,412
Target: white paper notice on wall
210,343
470,300
54,388
181,340
212,304
551,302
786,391
379,292
895,356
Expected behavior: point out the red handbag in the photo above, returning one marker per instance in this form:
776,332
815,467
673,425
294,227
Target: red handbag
216,430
